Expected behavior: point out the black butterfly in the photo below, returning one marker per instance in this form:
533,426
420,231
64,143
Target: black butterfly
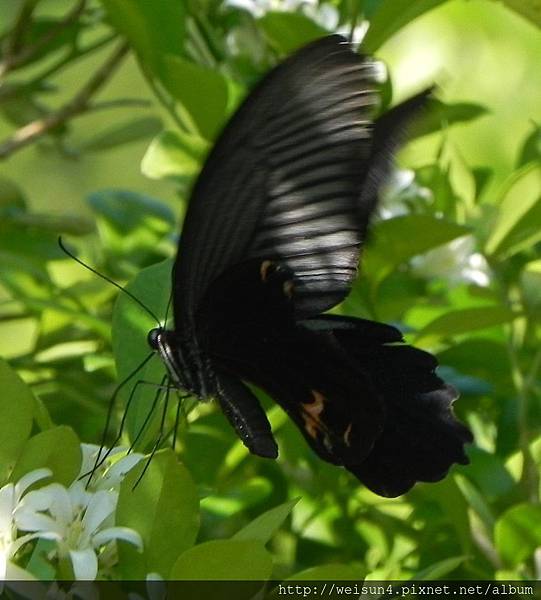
271,240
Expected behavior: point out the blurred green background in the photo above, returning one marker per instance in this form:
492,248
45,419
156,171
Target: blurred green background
453,258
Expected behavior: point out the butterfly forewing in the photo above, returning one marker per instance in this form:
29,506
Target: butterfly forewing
284,179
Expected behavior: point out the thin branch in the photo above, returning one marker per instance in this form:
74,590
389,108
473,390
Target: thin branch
71,57
13,61
80,103
13,41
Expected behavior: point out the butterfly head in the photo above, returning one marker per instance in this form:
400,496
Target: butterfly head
153,338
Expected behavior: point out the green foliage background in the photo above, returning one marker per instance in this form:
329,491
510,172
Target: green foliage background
114,181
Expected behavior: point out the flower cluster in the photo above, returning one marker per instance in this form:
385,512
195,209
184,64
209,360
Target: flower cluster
79,519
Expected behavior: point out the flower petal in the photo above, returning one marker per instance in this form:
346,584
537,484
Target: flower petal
101,505
85,564
117,533
29,520
7,504
116,472
30,478
21,541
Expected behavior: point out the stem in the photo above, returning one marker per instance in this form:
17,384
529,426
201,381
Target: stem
13,41
79,104
530,475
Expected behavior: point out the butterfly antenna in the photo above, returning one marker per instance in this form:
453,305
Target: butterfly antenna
108,279
158,440
99,459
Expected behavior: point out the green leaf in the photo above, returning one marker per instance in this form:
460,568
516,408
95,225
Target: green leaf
389,16
66,224
131,223
440,569
519,214
288,31
263,527
239,497
189,83
331,572
164,509
225,560
130,327
152,28
16,415
175,155
531,149
125,211
56,32
395,241
529,9
12,198
124,133
57,449
465,320
476,501
439,115
518,533
489,473
328,572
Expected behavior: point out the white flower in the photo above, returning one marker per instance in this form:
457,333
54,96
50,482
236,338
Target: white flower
401,190
456,261
325,15
79,521
108,475
10,498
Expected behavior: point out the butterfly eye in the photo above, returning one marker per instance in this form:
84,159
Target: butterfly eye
153,338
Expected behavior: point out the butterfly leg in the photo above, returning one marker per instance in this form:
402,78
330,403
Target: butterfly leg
160,387
158,439
245,414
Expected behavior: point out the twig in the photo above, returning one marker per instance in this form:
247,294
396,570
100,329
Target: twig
80,103
13,41
12,61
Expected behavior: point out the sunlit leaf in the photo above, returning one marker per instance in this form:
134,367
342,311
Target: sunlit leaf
57,449
16,413
176,155
224,560
332,572
439,115
531,149
131,131
153,28
518,533
388,16
264,526
529,9
440,569
457,322
164,509
189,83
519,215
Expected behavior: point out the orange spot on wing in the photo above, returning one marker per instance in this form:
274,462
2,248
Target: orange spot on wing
311,412
264,269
